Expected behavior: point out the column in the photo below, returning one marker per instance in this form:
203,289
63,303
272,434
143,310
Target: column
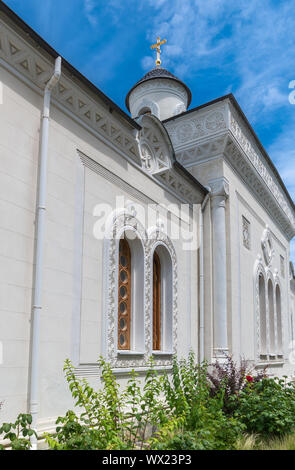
219,194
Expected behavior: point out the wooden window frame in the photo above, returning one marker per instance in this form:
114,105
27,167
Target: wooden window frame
124,295
157,302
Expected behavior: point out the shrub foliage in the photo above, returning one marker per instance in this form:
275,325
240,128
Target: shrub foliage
192,407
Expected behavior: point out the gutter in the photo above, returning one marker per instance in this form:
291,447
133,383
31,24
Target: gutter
39,253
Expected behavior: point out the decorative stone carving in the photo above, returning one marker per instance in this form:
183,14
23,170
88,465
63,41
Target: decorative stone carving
215,121
246,233
267,246
147,157
220,132
258,270
188,129
263,267
219,189
202,152
172,180
256,161
155,153
185,131
125,220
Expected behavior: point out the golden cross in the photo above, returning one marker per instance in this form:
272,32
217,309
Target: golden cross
157,46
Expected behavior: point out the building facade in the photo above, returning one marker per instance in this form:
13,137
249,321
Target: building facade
164,232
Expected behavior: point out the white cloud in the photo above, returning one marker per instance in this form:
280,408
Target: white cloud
282,152
147,63
89,7
255,41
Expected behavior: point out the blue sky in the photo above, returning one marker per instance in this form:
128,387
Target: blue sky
246,47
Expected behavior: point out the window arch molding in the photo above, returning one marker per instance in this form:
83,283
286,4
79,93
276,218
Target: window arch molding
120,222
159,242
271,313
258,272
268,293
279,312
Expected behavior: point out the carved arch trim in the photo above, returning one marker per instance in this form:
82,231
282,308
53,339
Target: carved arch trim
120,221
157,237
258,271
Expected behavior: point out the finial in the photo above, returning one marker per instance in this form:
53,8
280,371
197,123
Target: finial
157,46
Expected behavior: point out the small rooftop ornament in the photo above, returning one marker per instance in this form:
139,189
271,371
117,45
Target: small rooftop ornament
157,46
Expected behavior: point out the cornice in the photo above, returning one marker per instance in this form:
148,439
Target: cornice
219,132
195,128
175,182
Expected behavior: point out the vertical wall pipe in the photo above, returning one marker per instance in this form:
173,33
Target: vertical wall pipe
40,237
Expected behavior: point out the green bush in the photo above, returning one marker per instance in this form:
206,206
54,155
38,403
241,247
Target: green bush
197,419
176,411
18,433
109,419
267,407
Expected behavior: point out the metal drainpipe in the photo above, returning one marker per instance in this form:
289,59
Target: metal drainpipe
38,276
202,293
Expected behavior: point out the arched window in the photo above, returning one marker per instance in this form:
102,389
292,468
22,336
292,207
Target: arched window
162,300
279,321
124,294
144,110
157,303
131,294
271,313
262,315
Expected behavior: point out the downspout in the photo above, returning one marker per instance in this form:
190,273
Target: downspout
38,276
202,291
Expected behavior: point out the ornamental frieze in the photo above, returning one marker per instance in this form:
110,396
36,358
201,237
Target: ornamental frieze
201,136
192,128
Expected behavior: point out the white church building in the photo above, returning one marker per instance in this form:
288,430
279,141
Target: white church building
130,236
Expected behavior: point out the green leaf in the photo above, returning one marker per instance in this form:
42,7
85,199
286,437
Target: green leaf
6,427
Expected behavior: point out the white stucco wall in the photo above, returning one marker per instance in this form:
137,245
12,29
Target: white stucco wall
72,314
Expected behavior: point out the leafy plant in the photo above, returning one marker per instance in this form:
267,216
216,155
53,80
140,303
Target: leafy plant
231,378
198,418
267,407
19,432
109,419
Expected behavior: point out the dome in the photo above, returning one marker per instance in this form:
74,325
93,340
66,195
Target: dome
162,99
